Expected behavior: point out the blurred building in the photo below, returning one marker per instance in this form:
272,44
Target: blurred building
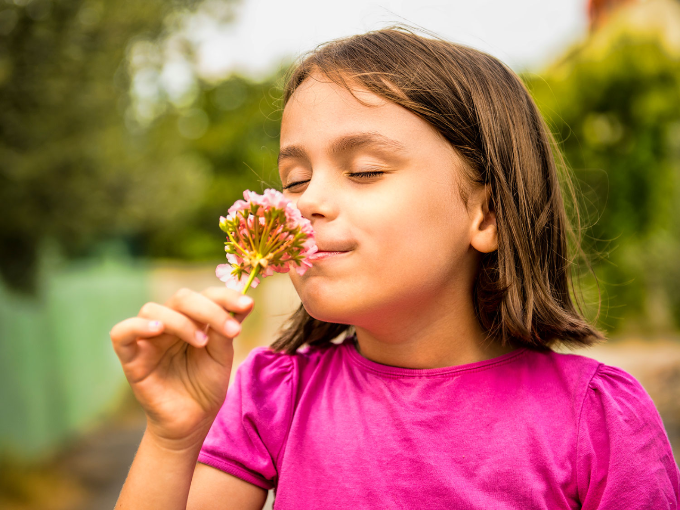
658,17
600,10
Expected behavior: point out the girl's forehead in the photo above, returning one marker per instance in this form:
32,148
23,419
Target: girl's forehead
318,94
322,112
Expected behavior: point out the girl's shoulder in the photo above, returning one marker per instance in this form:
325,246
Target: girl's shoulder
582,371
612,403
622,445
618,397
593,390
305,354
271,367
596,377
250,430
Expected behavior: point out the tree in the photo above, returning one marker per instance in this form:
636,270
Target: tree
234,126
75,165
614,102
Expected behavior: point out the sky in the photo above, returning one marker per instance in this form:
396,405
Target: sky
525,34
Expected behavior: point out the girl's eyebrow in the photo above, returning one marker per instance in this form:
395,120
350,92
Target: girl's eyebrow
345,144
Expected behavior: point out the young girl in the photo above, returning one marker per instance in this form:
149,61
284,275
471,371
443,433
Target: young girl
428,378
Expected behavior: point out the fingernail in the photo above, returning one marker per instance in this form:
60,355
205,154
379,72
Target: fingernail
244,301
201,337
155,325
232,328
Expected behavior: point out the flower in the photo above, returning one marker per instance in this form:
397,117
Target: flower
265,234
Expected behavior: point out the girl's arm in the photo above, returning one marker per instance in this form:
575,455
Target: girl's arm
211,487
177,359
161,477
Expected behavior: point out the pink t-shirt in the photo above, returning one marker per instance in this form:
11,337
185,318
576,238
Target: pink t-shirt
328,428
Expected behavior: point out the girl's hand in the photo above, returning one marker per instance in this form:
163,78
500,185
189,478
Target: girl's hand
179,379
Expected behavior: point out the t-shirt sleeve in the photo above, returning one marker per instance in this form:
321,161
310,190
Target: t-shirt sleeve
624,458
249,431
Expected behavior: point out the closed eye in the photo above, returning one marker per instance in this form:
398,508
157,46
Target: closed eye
362,175
366,175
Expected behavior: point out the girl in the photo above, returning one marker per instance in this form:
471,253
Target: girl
428,378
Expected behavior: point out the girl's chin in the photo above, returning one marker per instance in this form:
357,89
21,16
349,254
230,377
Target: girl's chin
331,310
327,314
329,300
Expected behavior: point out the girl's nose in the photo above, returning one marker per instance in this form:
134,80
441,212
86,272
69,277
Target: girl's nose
316,201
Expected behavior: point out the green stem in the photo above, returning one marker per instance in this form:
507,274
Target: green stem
256,228
237,245
250,239
272,239
283,246
264,238
253,274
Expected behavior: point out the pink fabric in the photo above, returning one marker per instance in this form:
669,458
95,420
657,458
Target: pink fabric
328,428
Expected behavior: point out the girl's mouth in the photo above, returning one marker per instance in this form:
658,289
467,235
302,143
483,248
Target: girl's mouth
322,255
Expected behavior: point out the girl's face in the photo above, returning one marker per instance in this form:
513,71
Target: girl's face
382,186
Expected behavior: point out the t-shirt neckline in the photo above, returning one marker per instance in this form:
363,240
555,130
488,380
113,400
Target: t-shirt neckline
350,346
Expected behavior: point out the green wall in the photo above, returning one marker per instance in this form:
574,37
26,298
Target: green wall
58,370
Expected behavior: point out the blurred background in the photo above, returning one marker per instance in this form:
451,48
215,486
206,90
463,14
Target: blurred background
127,128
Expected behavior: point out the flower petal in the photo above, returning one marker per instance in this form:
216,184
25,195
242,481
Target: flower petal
223,272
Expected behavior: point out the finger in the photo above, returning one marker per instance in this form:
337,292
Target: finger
231,300
220,348
124,335
175,323
205,311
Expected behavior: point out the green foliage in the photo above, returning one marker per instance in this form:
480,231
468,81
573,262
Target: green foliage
617,114
70,170
93,147
235,127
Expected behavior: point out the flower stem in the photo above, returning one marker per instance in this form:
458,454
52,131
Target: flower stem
235,244
264,238
272,239
250,239
256,228
253,274
282,246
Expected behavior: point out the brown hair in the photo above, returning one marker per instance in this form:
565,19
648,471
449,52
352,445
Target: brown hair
522,292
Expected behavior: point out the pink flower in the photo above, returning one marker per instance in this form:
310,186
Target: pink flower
223,272
265,234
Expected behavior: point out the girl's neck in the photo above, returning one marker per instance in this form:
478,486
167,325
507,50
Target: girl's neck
408,356
428,340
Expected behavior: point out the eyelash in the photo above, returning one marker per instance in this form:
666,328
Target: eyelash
364,175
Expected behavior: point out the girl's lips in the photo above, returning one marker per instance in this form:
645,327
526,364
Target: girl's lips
322,255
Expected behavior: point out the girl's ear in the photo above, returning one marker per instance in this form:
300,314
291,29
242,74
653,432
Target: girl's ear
483,230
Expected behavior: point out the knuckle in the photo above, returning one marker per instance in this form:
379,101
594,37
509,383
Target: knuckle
120,330
147,309
183,293
212,293
223,296
114,332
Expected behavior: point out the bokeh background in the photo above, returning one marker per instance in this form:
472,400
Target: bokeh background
127,128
